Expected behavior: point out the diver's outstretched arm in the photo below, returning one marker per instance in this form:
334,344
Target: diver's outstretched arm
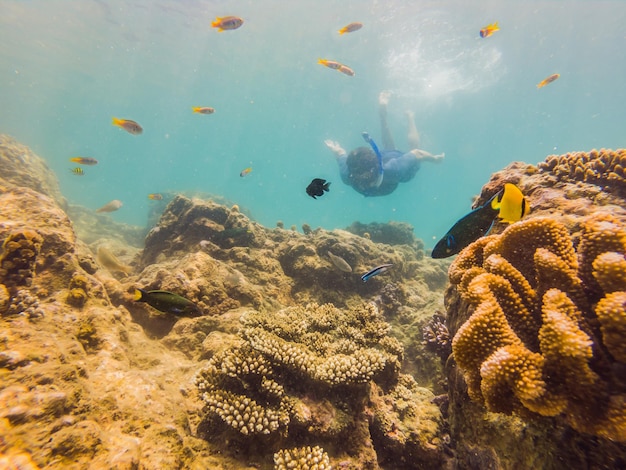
383,100
413,136
335,147
424,156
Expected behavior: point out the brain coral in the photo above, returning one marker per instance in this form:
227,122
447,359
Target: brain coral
547,331
284,378
602,167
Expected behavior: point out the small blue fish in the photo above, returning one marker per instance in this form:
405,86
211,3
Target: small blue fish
376,271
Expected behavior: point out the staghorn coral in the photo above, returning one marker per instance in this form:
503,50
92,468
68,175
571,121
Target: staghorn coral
602,167
17,264
302,458
547,324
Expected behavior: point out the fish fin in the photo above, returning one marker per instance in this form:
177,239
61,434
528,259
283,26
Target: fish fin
326,186
138,295
490,227
342,31
216,23
117,121
195,109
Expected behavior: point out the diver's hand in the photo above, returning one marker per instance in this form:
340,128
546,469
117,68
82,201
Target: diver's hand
335,147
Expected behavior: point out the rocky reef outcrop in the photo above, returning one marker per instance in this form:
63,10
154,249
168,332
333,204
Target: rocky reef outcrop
536,312
91,378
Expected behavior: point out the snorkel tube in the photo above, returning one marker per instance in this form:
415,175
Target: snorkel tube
379,157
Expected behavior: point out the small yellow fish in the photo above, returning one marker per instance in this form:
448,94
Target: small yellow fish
512,204
346,70
155,196
77,171
129,126
84,160
331,64
489,30
227,22
350,28
112,206
548,80
203,110
245,171
110,261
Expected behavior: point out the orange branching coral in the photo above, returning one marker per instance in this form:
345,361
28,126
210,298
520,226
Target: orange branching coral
548,322
603,167
19,253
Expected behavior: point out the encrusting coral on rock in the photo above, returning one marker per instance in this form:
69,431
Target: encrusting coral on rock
302,458
542,335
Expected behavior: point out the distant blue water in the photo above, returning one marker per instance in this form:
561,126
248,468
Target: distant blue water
67,67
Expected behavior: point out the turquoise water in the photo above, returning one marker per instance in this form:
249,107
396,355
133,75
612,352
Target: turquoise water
67,67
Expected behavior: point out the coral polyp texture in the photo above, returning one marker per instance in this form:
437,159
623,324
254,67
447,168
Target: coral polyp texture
546,336
603,167
19,254
302,458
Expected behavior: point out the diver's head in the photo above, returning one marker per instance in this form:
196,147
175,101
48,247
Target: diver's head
362,168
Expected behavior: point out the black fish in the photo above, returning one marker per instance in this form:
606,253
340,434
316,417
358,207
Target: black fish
167,302
317,187
468,229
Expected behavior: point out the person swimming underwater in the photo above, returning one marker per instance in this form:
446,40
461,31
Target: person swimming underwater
374,172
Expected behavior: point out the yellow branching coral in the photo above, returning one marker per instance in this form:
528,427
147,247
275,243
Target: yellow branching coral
548,322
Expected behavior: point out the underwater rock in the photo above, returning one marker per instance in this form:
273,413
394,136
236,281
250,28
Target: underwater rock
391,233
21,168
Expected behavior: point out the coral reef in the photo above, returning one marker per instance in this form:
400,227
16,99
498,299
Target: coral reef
282,379
437,337
605,168
391,233
19,253
532,344
302,458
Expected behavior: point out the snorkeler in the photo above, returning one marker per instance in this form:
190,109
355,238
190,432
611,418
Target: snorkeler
374,172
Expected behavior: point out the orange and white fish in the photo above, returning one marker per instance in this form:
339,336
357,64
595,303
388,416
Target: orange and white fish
227,22
129,126
245,171
346,70
203,110
548,80
84,160
489,30
350,28
331,64
112,206
155,196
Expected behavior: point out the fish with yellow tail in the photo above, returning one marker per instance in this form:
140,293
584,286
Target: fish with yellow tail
548,80
508,204
489,30
84,160
168,302
203,109
111,206
109,261
227,23
350,28
128,125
